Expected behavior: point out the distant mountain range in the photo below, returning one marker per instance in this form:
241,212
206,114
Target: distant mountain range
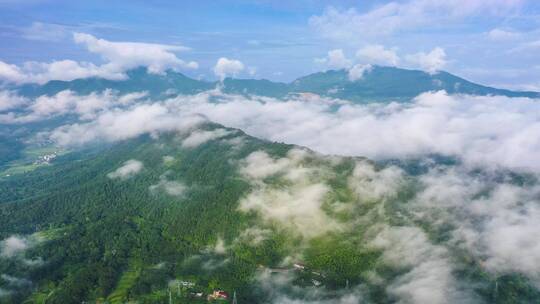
378,84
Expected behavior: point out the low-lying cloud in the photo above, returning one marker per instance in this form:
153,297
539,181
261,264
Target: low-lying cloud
297,205
428,277
484,211
199,137
170,187
128,169
10,100
493,218
462,126
14,245
66,102
122,124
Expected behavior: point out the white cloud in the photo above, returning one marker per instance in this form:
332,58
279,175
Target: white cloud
428,278
358,70
128,169
378,54
431,62
462,126
259,165
199,137
45,32
392,17
41,72
68,102
220,247
335,59
122,56
10,100
174,188
118,56
11,72
375,185
14,245
296,205
254,236
64,102
494,219
120,124
227,67
433,123
498,34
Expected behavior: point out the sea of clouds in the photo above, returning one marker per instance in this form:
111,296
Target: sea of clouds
492,131
491,216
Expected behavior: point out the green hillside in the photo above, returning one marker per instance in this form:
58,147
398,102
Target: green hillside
194,220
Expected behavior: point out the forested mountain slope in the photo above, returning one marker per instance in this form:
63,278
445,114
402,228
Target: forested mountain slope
173,215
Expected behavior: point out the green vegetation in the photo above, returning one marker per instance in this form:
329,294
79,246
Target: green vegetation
100,239
31,158
97,227
125,283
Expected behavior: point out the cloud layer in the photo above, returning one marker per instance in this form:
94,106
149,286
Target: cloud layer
466,127
128,169
486,214
296,206
493,217
118,57
199,137
461,126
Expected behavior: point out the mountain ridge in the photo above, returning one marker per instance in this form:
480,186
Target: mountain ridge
380,83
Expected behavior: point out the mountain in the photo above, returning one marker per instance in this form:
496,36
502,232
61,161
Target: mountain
208,212
105,238
260,87
378,84
158,86
389,83
159,219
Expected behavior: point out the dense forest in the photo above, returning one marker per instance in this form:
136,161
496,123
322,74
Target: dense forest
153,221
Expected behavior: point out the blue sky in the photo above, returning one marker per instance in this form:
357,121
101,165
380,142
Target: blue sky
493,42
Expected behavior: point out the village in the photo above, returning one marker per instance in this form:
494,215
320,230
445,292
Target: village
46,159
304,275
187,289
